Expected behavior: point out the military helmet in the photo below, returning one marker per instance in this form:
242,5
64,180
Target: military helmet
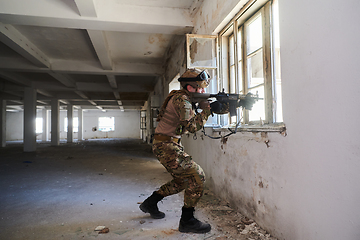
195,77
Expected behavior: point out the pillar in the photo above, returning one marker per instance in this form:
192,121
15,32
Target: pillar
55,122
30,120
80,129
70,132
45,129
3,122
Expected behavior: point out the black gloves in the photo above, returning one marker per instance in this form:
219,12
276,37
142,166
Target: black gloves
219,108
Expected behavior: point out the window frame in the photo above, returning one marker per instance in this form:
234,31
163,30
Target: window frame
213,121
239,25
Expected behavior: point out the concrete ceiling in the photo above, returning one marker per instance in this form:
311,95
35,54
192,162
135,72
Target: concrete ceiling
94,54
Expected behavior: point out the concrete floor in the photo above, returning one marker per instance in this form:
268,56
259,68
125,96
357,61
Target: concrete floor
65,192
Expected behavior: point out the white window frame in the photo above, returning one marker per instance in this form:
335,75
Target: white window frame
211,66
269,123
238,24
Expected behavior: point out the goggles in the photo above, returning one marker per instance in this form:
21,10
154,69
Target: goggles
203,76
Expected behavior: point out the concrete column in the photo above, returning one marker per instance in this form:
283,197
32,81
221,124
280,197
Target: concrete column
55,122
45,133
80,129
70,132
30,120
3,122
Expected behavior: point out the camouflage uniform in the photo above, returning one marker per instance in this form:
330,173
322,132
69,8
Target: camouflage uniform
186,173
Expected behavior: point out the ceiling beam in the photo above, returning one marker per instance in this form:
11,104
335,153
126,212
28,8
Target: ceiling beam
81,94
76,67
16,78
101,47
103,87
66,80
86,8
117,96
111,16
112,81
19,43
44,92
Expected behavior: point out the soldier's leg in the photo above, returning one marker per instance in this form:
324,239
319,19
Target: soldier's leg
172,157
186,175
193,192
195,185
185,172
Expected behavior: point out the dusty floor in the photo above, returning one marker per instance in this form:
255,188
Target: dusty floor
65,192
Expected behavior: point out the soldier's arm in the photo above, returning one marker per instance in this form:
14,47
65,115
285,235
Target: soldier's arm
188,119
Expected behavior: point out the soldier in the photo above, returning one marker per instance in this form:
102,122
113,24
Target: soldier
175,118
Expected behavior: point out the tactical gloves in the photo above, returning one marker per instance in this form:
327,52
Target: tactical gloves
219,108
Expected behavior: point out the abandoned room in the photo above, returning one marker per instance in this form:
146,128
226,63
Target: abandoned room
81,86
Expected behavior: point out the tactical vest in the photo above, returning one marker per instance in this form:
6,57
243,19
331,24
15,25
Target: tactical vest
168,118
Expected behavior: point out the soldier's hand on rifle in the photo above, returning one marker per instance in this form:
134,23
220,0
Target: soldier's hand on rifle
219,108
204,104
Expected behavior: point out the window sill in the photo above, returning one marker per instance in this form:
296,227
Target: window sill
273,127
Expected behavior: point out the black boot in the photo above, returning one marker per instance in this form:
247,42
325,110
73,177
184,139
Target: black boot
189,224
150,206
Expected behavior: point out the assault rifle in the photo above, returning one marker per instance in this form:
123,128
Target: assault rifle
229,101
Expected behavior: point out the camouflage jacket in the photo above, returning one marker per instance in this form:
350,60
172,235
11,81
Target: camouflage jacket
177,115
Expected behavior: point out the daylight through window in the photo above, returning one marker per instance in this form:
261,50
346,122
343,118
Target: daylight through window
250,62
106,124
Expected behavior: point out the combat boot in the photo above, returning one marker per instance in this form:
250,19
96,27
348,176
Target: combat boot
150,206
189,224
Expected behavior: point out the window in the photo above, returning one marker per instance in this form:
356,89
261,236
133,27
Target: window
106,124
75,124
250,62
175,84
202,54
39,125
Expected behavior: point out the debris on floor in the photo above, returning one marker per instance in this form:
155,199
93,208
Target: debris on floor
99,228
229,222
102,229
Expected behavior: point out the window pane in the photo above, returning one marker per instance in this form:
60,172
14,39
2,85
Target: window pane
254,35
240,67
231,50
255,70
258,110
232,79
212,88
202,52
76,124
239,47
240,82
106,124
39,125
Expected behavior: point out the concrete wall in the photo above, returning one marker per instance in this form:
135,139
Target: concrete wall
127,124
304,185
14,126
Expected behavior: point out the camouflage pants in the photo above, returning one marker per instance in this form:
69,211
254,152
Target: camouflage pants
186,173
